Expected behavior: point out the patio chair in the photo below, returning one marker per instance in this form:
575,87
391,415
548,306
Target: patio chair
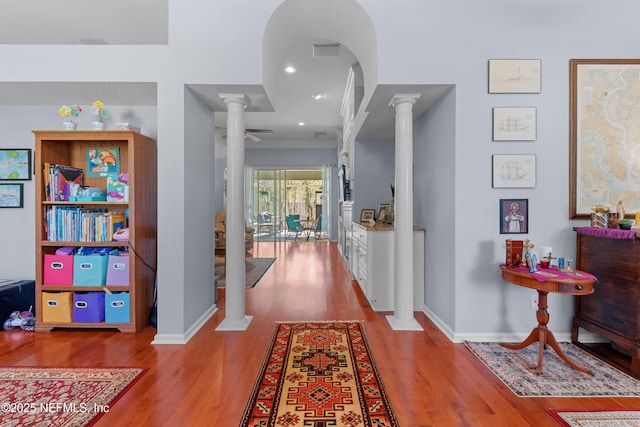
318,230
293,226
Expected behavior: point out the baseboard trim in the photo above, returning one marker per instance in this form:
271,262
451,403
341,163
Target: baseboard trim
190,333
585,336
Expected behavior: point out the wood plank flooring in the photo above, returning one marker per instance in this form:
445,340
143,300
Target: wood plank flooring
430,381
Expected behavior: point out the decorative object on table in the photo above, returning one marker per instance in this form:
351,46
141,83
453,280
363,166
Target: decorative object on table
530,258
69,114
381,208
600,216
127,126
87,393
367,215
514,170
515,249
319,373
387,216
596,417
11,195
99,115
594,85
15,164
102,161
514,216
514,75
517,370
625,224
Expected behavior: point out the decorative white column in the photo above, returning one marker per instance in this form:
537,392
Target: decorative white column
235,318
402,318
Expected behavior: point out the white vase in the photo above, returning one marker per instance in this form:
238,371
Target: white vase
98,125
69,125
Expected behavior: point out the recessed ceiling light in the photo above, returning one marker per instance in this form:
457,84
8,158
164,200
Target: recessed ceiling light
290,69
317,96
300,123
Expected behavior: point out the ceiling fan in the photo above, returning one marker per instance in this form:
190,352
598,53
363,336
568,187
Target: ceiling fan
250,133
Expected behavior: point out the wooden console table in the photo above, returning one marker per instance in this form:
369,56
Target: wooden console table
548,280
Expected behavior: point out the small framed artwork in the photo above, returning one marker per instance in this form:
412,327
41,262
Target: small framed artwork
367,215
381,209
11,195
514,76
102,161
514,216
514,124
15,164
514,170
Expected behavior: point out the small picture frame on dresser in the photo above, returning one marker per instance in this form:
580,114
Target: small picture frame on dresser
367,215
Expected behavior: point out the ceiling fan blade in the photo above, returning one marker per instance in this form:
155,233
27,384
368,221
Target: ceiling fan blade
260,130
252,137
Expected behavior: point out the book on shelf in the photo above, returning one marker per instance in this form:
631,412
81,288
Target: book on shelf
58,180
79,224
118,187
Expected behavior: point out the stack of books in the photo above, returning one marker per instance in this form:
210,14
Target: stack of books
127,126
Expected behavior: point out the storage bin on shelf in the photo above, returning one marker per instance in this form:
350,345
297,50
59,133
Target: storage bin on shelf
116,306
88,307
56,306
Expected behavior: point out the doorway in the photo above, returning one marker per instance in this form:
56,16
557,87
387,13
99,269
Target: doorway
274,193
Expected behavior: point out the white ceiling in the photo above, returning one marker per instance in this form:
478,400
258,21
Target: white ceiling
146,23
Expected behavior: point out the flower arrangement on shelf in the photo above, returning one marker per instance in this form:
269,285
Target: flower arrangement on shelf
69,114
99,114
98,111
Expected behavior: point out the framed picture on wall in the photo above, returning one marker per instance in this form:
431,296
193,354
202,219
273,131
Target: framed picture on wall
514,170
514,75
603,145
514,124
514,216
11,195
15,164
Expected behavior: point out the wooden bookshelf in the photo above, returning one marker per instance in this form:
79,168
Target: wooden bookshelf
137,158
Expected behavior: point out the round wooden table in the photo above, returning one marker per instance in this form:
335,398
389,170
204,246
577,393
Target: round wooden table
545,281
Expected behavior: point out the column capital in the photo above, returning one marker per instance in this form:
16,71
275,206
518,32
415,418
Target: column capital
404,98
239,98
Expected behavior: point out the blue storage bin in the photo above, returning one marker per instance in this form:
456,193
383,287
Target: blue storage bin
89,270
116,307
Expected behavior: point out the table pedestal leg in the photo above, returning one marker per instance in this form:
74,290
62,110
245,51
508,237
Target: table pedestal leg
544,336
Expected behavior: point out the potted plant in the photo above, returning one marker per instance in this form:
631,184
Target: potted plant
625,224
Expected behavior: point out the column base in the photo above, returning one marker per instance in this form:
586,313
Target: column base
404,325
234,325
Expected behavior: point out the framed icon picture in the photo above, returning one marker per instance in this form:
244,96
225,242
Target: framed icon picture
514,216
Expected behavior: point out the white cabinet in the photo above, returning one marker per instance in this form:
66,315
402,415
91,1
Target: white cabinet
372,265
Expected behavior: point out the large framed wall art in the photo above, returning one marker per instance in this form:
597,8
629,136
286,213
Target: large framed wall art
15,164
604,135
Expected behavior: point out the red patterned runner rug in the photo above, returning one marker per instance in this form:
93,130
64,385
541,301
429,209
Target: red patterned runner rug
61,397
319,374
597,417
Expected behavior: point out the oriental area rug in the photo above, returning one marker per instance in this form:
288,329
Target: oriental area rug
517,370
597,418
61,397
255,269
318,374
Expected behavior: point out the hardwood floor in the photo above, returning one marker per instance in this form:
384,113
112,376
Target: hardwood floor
430,381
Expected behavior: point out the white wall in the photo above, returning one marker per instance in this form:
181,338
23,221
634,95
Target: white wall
437,42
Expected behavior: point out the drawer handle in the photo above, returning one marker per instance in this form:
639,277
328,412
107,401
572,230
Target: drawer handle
579,287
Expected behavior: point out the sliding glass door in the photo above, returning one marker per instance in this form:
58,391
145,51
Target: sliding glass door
272,194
